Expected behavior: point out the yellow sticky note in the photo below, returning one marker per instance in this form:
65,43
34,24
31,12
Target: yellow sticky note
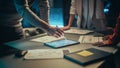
85,53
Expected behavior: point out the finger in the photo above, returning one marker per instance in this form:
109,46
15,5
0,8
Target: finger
55,35
59,32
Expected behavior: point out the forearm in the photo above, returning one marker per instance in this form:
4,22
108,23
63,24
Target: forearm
34,19
71,19
115,37
26,13
72,12
117,27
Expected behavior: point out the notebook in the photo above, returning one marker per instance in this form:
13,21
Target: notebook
87,56
60,43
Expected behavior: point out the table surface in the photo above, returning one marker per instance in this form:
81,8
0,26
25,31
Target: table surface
11,61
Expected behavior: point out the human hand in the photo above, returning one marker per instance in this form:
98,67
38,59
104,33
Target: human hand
65,28
103,44
54,31
105,38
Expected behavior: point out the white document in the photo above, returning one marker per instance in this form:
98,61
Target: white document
100,39
89,39
44,54
78,31
45,39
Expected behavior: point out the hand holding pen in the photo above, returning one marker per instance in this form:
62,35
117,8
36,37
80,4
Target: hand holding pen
53,31
62,34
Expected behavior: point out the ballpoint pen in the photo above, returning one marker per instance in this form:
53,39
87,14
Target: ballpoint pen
62,34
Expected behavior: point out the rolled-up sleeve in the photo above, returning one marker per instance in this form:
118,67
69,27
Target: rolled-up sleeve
72,8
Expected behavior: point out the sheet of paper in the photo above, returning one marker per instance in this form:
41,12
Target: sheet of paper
100,39
44,54
95,39
78,31
46,39
89,39
81,38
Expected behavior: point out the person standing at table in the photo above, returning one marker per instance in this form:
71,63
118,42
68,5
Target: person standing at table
111,40
11,14
90,15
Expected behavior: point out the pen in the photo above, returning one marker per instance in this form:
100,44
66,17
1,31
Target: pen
64,37
62,34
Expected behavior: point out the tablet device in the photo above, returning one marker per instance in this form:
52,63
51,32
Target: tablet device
61,43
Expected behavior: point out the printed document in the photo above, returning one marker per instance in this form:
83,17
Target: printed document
44,54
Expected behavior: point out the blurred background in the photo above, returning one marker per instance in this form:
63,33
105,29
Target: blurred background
59,12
